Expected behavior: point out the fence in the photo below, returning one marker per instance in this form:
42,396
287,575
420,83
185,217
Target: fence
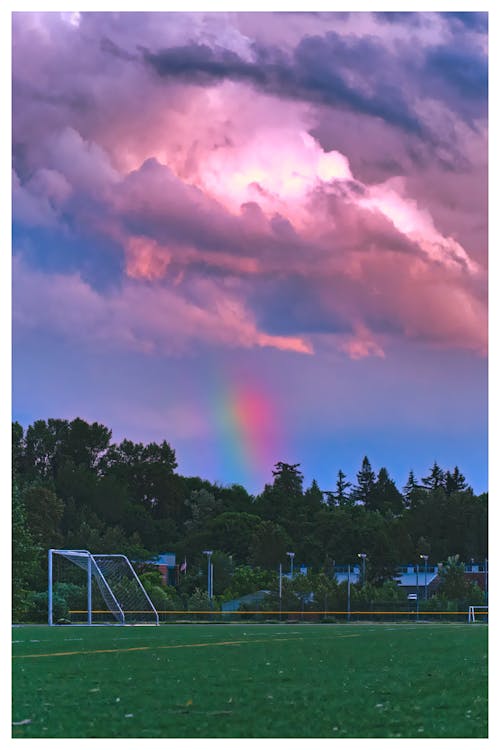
401,615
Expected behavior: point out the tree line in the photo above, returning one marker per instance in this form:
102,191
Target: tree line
74,488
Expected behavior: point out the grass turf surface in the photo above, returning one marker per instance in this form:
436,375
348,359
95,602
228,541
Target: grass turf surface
288,680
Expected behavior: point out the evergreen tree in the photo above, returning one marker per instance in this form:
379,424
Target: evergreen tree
454,482
413,493
313,498
385,496
341,495
283,500
436,478
410,486
366,482
288,478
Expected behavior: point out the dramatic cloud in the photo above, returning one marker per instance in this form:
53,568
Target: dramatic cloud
288,184
148,320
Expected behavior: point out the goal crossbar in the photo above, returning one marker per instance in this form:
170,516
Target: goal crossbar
115,578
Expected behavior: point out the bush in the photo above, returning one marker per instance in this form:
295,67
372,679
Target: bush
38,604
74,596
199,601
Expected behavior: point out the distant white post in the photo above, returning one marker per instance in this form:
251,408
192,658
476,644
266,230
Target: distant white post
208,553
362,555
50,588
89,590
425,558
418,592
348,593
280,588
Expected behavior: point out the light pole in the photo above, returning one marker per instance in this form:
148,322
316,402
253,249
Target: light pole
291,555
280,591
348,593
208,553
418,592
425,558
362,555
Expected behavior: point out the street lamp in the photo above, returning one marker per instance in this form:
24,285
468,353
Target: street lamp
291,555
280,585
425,558
208,553
362,555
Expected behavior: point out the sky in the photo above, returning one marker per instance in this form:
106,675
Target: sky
259,236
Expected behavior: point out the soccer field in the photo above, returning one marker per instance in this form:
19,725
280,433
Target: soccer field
286,680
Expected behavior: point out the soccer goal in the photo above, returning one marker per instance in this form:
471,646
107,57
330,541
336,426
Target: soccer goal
96,589
480,611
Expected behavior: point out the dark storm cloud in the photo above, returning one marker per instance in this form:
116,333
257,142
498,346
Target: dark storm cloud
354,74
108,46
399,17
199,63
289,305
463,71
471,21
317,72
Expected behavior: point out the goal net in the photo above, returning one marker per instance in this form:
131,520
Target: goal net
478,613
83,587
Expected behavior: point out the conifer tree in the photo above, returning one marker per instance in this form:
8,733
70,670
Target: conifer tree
366,482
436,478
341,495
454,482
385,496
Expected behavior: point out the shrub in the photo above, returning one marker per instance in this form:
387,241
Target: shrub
38,607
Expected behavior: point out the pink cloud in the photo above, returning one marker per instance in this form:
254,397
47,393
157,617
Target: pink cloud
145,259
225,182
141,317
361,345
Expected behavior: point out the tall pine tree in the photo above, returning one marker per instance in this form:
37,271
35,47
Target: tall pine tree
341,495
362,492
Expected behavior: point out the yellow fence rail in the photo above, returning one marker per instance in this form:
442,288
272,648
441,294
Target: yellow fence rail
272,612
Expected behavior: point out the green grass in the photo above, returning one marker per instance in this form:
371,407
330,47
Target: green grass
289,680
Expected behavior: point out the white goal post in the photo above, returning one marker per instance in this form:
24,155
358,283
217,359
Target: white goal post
120,592
473,608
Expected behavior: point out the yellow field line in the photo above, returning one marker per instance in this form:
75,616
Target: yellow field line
150,648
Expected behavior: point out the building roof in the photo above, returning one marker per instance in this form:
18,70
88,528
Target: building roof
406,576
413,579
165,558
234,604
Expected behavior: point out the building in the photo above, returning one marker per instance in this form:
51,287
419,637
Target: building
412,578
478,573
166,564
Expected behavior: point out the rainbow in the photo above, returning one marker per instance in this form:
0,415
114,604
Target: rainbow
247,431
